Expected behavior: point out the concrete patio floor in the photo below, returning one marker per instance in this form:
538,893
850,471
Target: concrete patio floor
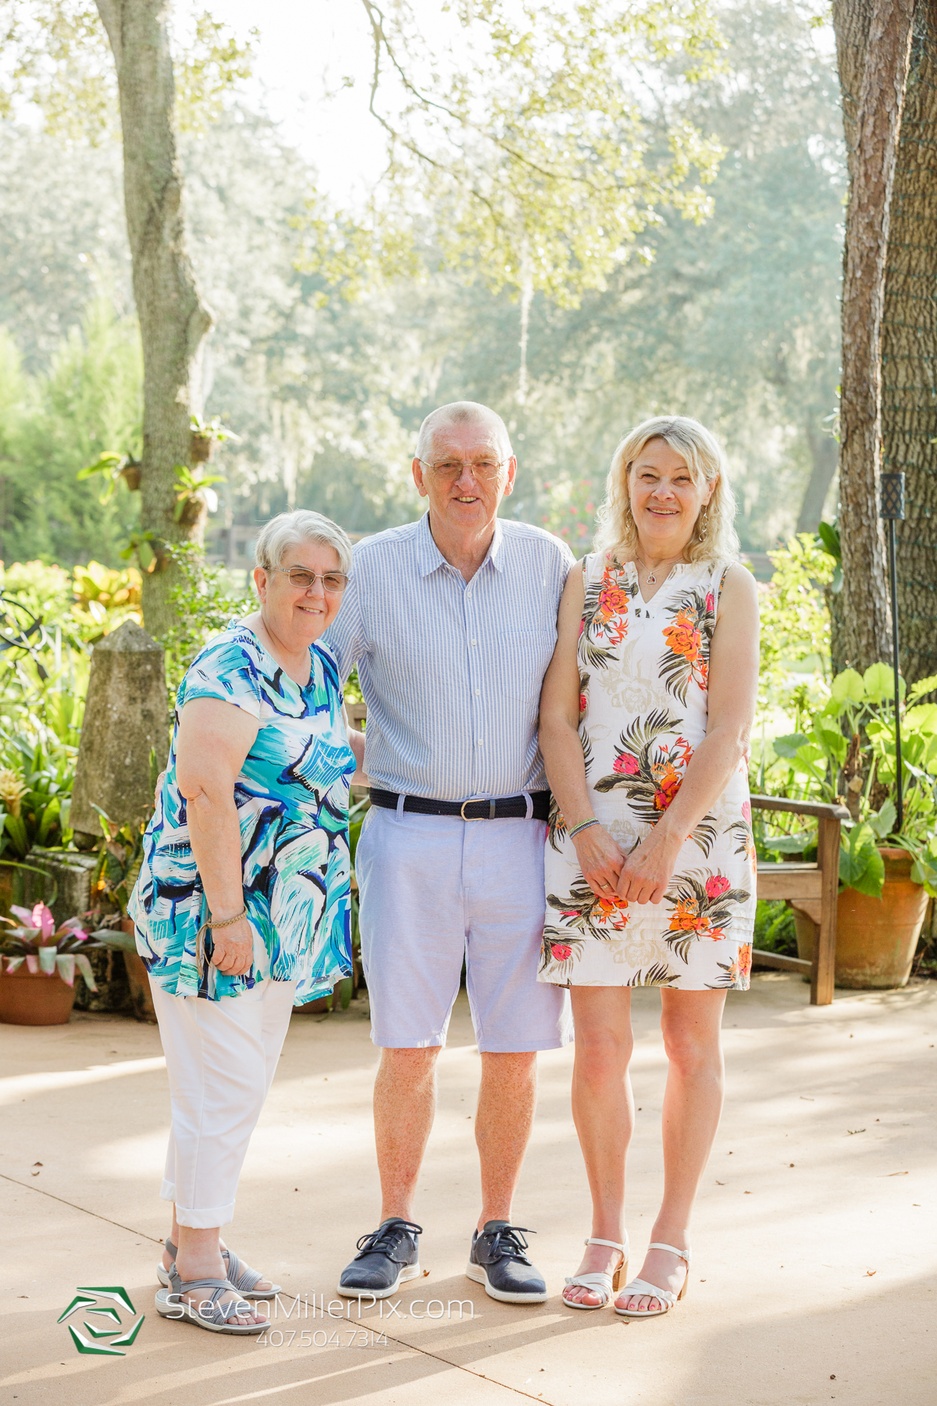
815,1253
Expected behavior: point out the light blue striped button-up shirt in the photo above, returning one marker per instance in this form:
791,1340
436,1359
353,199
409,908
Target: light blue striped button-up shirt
451,670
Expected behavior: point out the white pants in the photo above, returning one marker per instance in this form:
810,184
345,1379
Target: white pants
220,1058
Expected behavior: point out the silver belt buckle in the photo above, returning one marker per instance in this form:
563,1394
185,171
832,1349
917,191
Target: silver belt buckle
478,800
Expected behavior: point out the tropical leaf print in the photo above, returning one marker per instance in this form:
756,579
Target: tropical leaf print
647,769
705,835
688,636
560,950
588,914
702,907
657,975
737,974
556,825
741,833
605,616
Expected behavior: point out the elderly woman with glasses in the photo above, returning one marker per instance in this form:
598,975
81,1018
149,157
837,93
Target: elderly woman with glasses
242,903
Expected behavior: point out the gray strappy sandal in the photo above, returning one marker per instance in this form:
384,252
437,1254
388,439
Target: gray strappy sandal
239,1274
209,1312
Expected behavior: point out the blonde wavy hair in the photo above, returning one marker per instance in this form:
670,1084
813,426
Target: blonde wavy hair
714,536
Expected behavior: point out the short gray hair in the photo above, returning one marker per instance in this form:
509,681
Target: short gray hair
290,529
461,412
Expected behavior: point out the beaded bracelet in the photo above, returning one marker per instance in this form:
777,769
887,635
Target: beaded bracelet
583,825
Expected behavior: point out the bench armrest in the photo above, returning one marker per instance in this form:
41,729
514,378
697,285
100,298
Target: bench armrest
818,808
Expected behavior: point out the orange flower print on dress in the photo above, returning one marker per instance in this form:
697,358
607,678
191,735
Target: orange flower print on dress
702,907
688,637
684,638
605,617
666,785
686,917
612,912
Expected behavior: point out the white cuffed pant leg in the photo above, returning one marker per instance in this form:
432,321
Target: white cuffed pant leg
220,1058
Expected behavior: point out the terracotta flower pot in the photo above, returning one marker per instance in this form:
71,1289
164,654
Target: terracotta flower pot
875,937
34,998
138,979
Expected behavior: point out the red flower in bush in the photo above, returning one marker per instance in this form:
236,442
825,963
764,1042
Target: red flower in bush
560,952
717,885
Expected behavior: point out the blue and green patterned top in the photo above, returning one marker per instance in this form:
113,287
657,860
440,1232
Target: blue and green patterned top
292,804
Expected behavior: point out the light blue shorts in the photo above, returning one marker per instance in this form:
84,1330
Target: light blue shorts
437,889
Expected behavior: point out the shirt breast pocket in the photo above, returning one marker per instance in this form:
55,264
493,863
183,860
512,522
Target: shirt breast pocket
521,658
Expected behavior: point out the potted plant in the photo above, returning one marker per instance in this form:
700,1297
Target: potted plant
845,752
205,435
38,964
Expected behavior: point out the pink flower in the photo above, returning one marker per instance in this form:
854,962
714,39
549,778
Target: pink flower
747,812
560,952
717,885
583,703
710,602
626,765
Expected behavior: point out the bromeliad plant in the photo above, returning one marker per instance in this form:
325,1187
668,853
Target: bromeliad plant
44,948
846,753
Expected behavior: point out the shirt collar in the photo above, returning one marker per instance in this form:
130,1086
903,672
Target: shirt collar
430,558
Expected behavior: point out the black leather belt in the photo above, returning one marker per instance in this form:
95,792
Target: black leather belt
507,808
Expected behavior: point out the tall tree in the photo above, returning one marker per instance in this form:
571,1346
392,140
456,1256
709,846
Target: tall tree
909,351
873,39
174,321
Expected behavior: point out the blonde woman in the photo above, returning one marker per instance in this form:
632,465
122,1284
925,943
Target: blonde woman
644,725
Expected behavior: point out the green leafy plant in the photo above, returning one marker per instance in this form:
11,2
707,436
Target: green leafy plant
116,468
119,861
36,942
206,599
845,752
36,778
194,492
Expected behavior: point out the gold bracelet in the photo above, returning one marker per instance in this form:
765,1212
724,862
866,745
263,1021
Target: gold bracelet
227,922
200,936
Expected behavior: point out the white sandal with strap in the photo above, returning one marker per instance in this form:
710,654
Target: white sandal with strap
244,1279
602,1284
641,1288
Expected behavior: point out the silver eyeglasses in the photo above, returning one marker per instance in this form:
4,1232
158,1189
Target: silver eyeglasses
448,470
334,582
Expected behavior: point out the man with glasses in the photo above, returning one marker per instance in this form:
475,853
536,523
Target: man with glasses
452,623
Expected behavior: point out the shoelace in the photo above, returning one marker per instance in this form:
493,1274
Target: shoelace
387,1238
509,1241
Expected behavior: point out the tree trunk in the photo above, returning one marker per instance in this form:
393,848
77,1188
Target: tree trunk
879,31
173,320
909,351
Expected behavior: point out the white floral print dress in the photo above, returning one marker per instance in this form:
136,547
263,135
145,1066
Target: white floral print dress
643,673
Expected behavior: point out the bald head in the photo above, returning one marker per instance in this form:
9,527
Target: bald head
462,412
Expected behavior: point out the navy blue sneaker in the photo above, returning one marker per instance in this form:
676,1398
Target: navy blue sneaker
386,1258
497,1260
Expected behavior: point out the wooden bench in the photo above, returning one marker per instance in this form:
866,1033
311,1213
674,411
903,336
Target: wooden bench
810,888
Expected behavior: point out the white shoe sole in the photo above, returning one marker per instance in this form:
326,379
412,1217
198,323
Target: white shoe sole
409,1271
476,1272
